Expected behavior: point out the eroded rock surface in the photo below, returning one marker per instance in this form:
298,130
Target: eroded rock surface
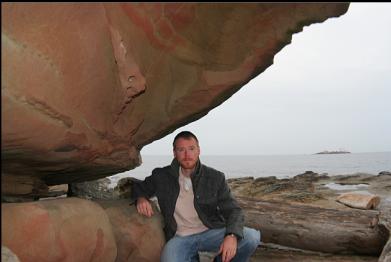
138,238
318,190
86,86
315,189
75,229
275,253
69,229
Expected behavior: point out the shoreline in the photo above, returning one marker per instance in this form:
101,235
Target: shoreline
314,189
282,166
115,178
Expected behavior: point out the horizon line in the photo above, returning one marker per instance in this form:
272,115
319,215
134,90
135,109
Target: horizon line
278,154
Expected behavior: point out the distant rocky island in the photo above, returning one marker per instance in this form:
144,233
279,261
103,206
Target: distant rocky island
333,152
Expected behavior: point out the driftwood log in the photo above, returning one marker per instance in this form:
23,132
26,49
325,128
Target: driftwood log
317,229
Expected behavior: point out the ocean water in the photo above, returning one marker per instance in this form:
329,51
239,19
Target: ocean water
281,166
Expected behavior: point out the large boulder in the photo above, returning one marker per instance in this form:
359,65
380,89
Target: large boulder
138,238
75,229
86,86
70,229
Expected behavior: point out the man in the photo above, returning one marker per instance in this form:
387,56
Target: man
199,211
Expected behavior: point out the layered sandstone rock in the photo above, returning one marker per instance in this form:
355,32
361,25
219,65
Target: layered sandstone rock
359,200
138,238
69,229
312,208
75,229
86,86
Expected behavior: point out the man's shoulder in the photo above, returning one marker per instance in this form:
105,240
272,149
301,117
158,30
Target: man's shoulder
161,170
210,171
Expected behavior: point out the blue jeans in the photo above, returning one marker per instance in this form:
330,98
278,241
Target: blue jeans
185,249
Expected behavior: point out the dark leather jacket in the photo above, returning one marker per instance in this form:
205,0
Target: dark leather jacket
213,200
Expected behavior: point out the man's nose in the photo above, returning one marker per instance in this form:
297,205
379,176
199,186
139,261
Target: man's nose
188,152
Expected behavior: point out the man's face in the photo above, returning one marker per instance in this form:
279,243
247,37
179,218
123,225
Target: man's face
187,151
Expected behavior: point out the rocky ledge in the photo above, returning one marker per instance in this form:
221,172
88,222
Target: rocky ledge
322,193
314,189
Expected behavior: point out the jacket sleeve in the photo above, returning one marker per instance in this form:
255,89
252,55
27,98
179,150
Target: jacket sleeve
230,210
146,188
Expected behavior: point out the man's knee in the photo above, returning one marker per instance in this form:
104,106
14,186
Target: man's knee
171,251
179,249
252,238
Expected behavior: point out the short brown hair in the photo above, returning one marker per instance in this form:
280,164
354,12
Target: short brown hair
185,135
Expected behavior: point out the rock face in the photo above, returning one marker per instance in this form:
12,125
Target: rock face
86,86
75,229
69,229
138,238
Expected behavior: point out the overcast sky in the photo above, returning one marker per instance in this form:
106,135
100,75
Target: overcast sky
329,89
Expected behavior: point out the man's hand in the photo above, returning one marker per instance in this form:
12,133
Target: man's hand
144,207
228,248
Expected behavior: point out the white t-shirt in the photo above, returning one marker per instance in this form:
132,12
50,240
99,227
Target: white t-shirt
185,215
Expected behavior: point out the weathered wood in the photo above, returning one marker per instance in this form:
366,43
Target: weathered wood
317,229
